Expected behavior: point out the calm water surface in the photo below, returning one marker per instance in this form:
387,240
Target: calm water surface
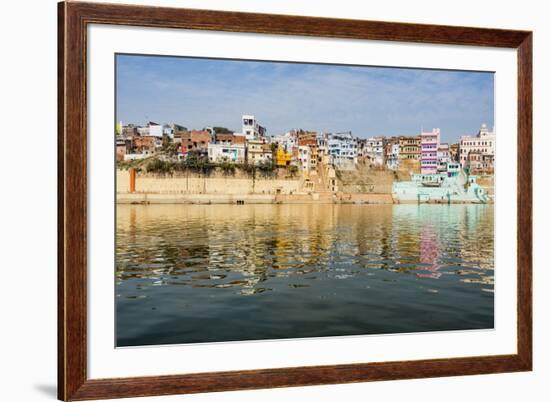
208,273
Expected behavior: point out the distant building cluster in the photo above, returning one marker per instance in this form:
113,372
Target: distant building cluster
305,150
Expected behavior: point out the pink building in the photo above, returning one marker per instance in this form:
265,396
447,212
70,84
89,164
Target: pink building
429,142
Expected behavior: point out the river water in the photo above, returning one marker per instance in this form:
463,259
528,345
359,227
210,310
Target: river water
210,273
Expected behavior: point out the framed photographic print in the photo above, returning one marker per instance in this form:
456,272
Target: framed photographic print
251,201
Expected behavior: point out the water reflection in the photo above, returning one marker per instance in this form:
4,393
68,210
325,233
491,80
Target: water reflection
178,265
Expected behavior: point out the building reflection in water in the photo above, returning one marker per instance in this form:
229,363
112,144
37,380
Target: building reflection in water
198,273
244,246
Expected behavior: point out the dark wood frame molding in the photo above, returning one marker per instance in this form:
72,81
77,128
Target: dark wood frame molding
73,19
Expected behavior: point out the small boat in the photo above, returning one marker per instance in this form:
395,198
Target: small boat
431,184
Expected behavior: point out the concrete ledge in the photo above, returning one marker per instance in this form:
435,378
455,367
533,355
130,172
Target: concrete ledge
314,198
151,198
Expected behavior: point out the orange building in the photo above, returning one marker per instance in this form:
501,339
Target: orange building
282,158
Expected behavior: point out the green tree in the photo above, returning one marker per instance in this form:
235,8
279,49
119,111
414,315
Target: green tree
222,130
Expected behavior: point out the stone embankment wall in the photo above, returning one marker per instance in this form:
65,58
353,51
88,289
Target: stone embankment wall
487,182
215,184
366,181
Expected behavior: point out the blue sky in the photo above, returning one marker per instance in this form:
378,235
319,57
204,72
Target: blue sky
366,100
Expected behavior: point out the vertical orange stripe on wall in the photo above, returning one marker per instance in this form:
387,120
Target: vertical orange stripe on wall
132,172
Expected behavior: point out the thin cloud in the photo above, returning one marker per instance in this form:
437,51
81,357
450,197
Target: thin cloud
367,100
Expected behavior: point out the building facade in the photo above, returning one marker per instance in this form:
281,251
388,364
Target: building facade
195,141
258,152
226,153
443,156
342,148
454,150
251,129
429,145
409,147
391,154
374,150
282,157
482,144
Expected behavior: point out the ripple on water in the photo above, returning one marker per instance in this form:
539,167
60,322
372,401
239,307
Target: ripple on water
270,262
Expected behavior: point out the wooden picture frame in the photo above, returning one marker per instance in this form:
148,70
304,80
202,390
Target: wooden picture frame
73,382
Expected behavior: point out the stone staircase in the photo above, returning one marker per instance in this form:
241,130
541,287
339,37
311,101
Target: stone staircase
321,186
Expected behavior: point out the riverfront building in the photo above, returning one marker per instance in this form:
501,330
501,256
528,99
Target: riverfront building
195,141
307,150
429,146
374,150
391,154
443,157
226,153
481,147
251,129
282,157
342,148
454,150
287,141
409,147
258,152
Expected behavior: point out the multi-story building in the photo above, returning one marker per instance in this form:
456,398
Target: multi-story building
168,130
361,148
342,148
251,129
374,150
226,153
123,147
409,147
443,152
477,161
391,154
229,139
146,144
151,129
430,144
483,144
195,141
304,154
288,140
454,152
129,131
306,137
282,156
322,148
307,149
308,157
258,151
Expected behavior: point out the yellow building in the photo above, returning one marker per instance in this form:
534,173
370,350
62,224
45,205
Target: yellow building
282,158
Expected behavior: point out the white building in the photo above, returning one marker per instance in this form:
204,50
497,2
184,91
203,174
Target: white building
168,129
226,152
133,157
287,141
482,143
155,129
342,148
443,156
374,150
152,129
251,129
392,157
322,147
304,155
